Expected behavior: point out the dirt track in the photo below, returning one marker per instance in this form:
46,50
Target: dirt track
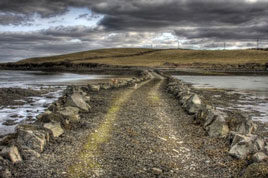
131,132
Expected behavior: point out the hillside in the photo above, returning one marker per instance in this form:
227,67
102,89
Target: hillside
149,57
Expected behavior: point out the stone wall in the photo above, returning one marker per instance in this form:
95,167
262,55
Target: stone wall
30,140
239,132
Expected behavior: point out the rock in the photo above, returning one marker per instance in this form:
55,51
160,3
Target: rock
31,137
247,126
77,100
266,148
201,115
157,171
218,128
105,87
47,117
256,170
7,140
54,107
10,122
184,97
29,154
55,128
5,173
243,145
193,104
95,88
259,157
40,116
211,115
11,153
71,114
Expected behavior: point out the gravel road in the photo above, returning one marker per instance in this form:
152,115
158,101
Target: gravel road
140,132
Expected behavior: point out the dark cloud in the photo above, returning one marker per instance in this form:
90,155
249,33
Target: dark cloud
58,40
129,23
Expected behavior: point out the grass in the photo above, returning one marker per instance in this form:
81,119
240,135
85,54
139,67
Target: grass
121,56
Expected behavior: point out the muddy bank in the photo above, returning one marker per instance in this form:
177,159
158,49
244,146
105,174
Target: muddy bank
236,127
30,140
249,68
13,96
88,68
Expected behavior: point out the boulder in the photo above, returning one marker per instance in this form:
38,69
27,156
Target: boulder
193,104
51,117
77,100
212,115
95,88
247,126
218,127
55,128
31,137
256,170
70,113
243,145
202,114
12,154
184,97
259,157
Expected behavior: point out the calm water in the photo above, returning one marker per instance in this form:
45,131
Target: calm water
35,80
254,90
25,79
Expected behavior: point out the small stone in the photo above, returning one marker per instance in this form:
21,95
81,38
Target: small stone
259,157
157,171
95,88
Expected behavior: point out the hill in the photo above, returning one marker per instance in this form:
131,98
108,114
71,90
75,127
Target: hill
157,57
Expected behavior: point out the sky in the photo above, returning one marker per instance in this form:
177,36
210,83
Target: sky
30,28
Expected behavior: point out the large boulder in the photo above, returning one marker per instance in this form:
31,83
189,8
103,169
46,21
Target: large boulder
12,154
31,140
55,128
77,100
243,145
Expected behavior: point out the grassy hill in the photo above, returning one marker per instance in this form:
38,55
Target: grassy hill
149,57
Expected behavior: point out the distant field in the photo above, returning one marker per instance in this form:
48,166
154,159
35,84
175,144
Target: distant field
149,57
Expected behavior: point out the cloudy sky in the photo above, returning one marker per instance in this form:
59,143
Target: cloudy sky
31,28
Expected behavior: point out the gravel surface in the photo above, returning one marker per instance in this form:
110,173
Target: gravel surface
130,132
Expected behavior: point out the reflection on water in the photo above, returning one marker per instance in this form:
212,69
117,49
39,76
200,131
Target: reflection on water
254,90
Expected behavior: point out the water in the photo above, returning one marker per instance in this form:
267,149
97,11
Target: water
25,79
36,80
254,90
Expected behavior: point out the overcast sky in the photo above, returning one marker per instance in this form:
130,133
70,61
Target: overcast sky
47,27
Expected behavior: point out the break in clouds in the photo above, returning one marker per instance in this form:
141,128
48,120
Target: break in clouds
48,27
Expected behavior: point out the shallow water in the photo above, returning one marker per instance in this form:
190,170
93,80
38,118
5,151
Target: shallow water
25,79
254,90
35,80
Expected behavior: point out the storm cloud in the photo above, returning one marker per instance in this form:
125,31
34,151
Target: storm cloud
132,23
